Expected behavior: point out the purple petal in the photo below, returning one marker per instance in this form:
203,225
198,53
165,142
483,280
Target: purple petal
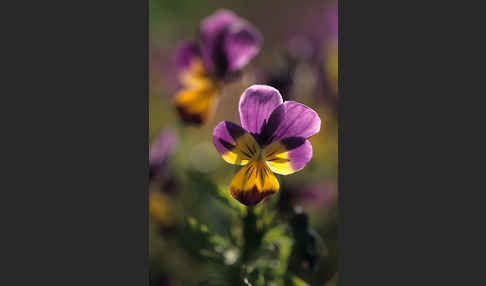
319,194
228,42
162,146
235,145
186,53
292,119
226,133
288,155
256,104
159,152
213,30
241,44
299,152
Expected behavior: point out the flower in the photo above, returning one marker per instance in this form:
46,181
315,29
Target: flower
160,150
272,138
227,43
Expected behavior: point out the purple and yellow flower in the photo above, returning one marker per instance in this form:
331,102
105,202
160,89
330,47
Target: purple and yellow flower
227,43
273,138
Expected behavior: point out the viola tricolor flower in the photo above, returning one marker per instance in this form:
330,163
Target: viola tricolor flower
272,138
227,43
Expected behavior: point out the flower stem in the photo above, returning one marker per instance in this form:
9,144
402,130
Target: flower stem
252,236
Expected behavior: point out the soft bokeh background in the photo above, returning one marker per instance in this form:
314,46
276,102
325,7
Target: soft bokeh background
299,30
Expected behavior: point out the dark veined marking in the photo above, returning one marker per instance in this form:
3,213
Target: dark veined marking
262,175
278,160
226,144
250,197
271,154
234,130
291,143
246,154
232,147
250,147
248,169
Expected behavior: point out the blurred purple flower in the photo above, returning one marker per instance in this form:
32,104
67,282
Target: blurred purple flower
313,44
272,138
321,194
316,44
160,150
227,43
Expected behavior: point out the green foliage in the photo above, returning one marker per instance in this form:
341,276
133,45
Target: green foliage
203,244
293,280
202,183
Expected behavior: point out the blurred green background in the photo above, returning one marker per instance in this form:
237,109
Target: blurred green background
196,170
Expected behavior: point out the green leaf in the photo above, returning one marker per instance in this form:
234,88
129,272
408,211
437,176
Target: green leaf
202,182
296,281
278,239
197,238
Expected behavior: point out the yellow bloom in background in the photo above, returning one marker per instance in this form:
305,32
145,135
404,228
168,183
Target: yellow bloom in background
160,210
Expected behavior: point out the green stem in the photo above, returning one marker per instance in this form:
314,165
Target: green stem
250,235
252,239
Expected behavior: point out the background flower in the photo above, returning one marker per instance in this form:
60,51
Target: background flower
160,151
226,44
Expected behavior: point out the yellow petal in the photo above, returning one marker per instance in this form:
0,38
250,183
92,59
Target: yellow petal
288,155
246,149
253,183
159,209
197,105
195,76
197,101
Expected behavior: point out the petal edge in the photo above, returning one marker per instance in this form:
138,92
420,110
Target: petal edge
288,155
256,105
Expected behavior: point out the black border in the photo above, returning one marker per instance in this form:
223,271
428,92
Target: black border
76,186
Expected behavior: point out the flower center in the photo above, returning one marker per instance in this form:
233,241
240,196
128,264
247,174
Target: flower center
260,156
